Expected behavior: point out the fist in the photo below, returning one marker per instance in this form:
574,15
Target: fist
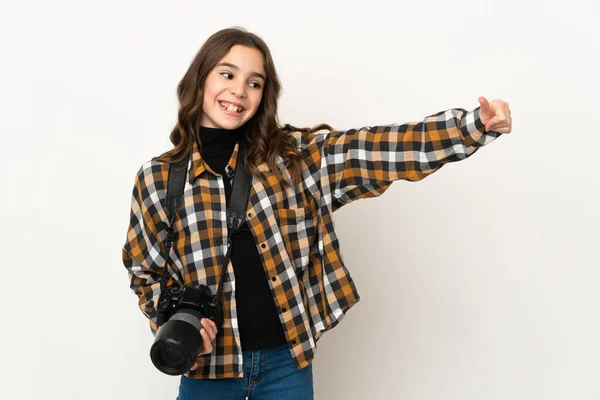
495,115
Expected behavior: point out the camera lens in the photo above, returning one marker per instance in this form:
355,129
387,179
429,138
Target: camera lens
172,354
170,357
178,343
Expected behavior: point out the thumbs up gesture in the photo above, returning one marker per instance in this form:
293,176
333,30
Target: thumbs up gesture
495,115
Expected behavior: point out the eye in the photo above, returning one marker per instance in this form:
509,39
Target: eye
229,76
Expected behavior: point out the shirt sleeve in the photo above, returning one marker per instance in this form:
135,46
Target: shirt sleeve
143,249
361,163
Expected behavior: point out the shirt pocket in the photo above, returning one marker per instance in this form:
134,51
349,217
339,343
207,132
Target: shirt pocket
297,229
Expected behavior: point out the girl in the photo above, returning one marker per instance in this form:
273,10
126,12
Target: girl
286,283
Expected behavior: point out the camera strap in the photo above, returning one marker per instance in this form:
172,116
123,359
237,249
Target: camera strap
236,212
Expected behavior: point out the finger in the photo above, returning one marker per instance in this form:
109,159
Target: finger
206,342
205,339
210,327
498,120
211,334
507,111
485,105
214,327
194,366
505,130
498,107
508,121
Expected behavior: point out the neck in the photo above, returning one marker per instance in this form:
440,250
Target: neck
209,136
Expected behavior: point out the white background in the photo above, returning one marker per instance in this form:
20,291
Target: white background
477,283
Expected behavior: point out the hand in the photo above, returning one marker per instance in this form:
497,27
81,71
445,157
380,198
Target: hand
495,115
209,333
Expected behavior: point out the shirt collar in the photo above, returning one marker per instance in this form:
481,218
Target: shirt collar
199,166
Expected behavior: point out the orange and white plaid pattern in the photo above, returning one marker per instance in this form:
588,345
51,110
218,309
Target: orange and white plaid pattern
293,227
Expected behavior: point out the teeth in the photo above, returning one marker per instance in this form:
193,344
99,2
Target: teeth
231,108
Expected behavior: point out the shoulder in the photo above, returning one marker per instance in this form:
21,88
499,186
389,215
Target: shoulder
308,141
152,171
151,180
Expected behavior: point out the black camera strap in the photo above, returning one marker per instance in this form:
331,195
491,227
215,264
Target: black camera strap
236,212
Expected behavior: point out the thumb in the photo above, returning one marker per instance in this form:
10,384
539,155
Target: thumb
485,105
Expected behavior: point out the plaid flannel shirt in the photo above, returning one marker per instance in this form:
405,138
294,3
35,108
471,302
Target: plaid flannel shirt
293,227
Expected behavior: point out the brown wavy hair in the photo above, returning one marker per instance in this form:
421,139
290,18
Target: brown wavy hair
267,139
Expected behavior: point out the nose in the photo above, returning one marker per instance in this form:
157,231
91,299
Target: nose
238,89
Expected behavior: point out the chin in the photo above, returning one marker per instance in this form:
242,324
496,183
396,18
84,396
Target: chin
230,125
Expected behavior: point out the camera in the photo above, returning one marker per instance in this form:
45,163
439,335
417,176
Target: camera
179,312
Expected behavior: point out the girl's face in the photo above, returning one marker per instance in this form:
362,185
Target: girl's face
233,89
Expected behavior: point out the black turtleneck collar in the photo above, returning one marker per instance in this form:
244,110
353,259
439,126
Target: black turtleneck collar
217,144
220,136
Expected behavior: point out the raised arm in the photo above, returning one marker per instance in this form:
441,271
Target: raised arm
361,163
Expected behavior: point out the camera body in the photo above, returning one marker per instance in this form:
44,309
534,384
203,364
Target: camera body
197,297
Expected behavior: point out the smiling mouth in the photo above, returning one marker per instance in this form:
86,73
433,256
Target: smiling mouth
230,108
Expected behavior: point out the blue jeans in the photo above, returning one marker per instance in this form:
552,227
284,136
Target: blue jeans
269,374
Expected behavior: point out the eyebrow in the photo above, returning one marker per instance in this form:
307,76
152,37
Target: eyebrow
233,66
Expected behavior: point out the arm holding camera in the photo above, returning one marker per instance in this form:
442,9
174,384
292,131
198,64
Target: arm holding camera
143,257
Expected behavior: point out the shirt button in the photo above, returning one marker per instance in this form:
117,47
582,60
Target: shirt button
283,309
250,215
274,278
293,342
264,246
